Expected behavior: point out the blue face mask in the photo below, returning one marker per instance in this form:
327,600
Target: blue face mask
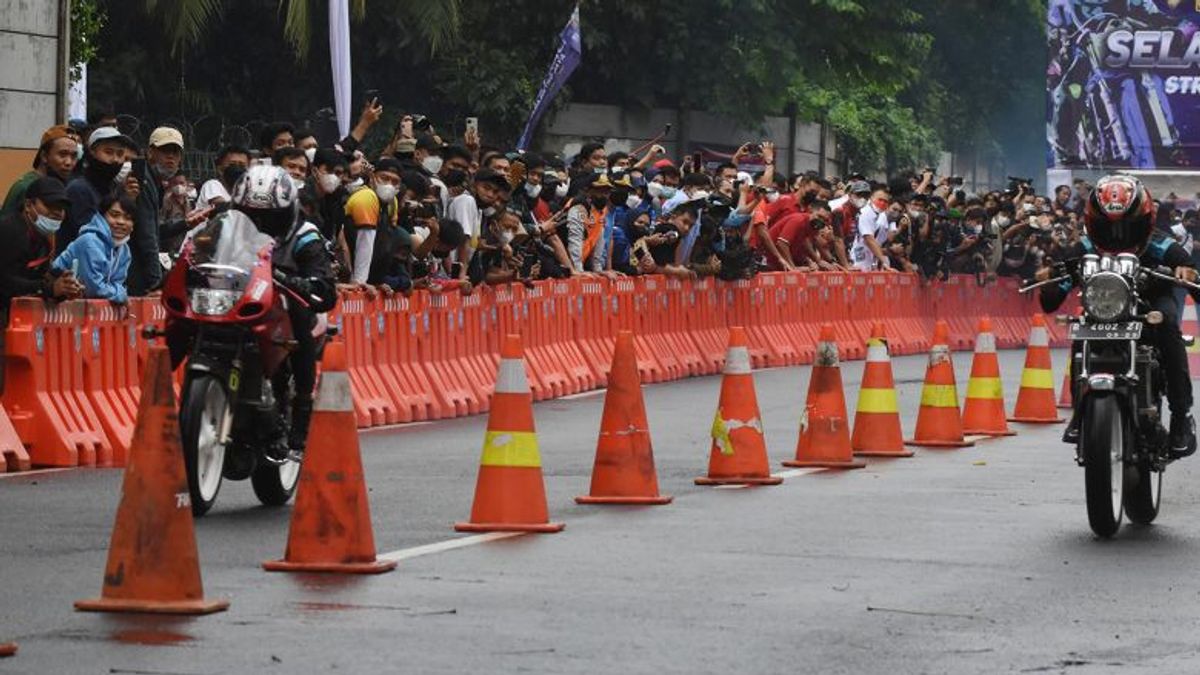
668,192
46,225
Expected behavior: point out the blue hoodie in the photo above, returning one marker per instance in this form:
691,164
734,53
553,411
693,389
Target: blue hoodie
99,265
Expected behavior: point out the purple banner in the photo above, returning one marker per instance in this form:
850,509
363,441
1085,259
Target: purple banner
566,60
1123,84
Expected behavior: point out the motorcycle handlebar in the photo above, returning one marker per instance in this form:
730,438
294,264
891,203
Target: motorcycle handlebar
1167,274
1039,284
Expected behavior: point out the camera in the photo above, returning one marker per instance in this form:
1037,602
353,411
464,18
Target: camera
424,210
420,123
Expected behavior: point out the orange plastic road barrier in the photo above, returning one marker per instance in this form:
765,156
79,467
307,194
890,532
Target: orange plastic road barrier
739,450
1065,400
152,565
824,425
13,456
44,390
1035,400
110,370
510,495
983,411
624,469
331,522
8,649
938,422
877,419
1191,326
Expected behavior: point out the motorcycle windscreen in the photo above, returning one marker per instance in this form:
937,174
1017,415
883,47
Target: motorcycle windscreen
226,249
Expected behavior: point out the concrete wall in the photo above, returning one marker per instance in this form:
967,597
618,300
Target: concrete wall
30,80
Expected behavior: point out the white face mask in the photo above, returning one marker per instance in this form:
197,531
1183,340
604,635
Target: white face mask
561,190
633,202
47,225
311,154
118,243
772,196
489,211
354,184
179,190
507,236
858,202
655,188
432,164
298,183
700,194
329,182
386,192
192,194
532,191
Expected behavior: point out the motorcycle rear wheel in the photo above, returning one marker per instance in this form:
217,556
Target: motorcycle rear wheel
202,419
1102,444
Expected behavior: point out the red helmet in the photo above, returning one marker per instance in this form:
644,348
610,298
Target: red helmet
1120,215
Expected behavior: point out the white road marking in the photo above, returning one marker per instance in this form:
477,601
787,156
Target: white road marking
448,545
787,473
35,472
394,427
583,394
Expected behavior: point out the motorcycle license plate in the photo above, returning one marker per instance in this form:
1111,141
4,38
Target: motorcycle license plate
1122,330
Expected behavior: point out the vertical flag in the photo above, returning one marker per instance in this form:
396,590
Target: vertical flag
339,61
566,60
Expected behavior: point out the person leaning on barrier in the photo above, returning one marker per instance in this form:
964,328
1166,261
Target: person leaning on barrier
28,235
100,256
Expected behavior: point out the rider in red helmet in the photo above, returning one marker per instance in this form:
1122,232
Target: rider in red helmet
1120,219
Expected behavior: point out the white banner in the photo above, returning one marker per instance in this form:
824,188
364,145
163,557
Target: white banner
339,61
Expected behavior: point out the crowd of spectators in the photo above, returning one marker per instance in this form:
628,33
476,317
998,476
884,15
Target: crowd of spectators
100,217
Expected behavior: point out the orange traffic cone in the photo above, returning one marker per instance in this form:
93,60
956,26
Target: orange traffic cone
1035,400
510,495
739,450
8,649
938,421
1191,326
877,418
331,522
983,411
624,469
152,561
1065,400
824,425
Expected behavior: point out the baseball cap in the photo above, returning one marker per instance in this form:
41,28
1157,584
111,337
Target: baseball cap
428,142
110,134
859,187
56,132
49,190
405,146
166,136
494,177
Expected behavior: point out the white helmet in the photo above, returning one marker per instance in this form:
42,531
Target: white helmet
265,187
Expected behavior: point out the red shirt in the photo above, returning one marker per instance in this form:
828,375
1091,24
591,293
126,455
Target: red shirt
845,220
784,206
796,229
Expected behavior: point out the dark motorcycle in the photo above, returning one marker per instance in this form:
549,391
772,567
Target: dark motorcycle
227,312
1119,386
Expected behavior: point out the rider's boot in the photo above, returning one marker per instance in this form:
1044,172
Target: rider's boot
1071,435
1183,435
298,436
277,451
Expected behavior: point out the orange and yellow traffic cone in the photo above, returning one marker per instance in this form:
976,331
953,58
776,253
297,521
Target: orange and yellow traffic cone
624,469
877,419
331,522
510,495
1190,325
983,411
153,566
1035,400
938,422
1065,400
739,450
8,649
824,425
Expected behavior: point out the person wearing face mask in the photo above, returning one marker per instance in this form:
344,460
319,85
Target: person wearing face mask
371,214
482,201
105,170
55,157
100,254
586,226
232,161
294,161
696,187
152,233
872,233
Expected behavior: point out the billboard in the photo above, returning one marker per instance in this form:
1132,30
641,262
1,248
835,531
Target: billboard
1123,84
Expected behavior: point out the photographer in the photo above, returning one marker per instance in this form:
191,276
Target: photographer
660,252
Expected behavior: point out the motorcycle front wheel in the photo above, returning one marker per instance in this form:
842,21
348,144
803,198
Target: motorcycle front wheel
1143,490
203,420
1102,444
275,485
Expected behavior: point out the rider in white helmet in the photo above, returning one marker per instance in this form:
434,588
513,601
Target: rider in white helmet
303,264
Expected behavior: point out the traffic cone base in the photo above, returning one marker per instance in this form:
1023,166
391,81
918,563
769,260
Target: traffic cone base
939,444
153,566
330,530
739,480
623,472
1037,420
815,464
8,649
883,453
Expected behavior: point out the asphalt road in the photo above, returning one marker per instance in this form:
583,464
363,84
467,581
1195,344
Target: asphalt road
967,561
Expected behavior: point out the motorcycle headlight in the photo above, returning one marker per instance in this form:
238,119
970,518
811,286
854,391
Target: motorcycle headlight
213,301
1106,296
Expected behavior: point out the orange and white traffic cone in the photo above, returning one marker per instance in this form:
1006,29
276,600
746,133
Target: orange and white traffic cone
938,422
983,411
824,425
1035,400
1190,325
331,522
510,494
153,566
624,469
8,649
739,450
877,430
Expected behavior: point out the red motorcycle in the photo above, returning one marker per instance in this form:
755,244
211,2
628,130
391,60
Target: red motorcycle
228,314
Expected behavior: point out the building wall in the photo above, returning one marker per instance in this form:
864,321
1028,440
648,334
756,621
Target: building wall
29,81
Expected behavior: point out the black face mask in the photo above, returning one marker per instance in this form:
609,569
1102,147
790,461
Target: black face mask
232,173
619,197
101,173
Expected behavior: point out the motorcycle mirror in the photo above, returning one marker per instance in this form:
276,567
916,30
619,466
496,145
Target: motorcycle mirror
1154,318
